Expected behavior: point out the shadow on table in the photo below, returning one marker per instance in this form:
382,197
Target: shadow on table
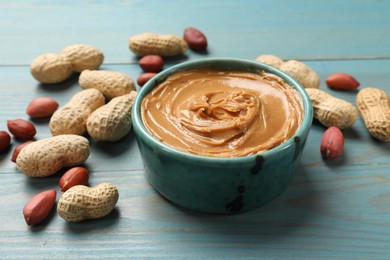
92,225
382,145
59,87
113,149
278,218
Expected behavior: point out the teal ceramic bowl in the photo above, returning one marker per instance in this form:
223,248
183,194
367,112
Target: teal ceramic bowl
220,185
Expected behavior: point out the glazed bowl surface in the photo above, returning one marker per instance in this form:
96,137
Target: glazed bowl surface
220,185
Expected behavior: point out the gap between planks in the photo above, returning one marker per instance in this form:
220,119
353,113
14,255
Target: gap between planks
301,59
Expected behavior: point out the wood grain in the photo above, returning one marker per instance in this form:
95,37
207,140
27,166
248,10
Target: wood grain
241,29
335,209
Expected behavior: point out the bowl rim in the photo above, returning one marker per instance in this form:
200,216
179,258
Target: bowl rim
141,131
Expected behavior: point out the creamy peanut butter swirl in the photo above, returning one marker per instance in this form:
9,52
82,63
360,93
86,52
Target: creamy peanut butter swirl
222,113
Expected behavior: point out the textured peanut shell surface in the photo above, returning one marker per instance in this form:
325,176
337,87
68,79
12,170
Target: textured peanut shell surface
83,57
270,59
157,44
301,72
81,202
374,107
112,121
110,83
45,157
50,68
331,111
72,117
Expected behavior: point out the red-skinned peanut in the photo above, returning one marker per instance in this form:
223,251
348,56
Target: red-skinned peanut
74,176
195,39
5,140
21,128
41,107
145,77
332,143
39,207
151,63
342,81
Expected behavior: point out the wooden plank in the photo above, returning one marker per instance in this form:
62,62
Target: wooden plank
241,29
332,210
336,209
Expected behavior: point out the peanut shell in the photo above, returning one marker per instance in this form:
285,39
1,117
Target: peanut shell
46,156
83,57
112,121
270,59
158,44
332,111
110,83
302,73
50,68
81,202
17,150
72,117
374,107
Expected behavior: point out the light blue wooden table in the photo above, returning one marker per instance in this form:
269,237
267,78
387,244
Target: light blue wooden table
332,210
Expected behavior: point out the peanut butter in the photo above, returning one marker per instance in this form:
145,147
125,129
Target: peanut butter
222,113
